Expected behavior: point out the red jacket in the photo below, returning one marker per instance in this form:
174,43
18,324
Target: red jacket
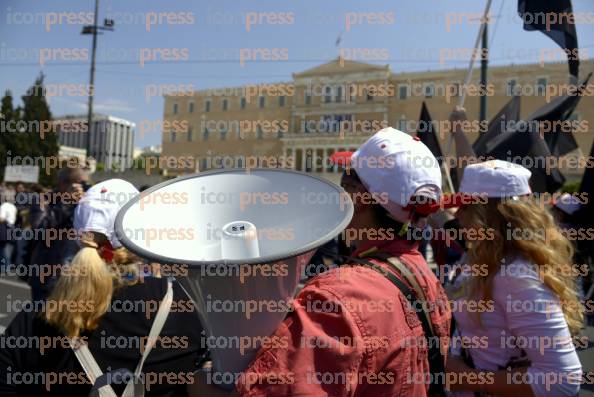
352,333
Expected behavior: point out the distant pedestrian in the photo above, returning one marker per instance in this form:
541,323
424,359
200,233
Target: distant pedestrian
8,217
51,220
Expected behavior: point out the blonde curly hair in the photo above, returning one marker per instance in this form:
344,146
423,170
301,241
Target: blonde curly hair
87,285
546,247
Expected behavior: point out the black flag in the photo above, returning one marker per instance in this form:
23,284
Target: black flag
554,18
521,143
506,118
560,109
426,132
587,186
527,148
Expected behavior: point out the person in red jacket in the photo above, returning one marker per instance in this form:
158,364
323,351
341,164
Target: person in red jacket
353,332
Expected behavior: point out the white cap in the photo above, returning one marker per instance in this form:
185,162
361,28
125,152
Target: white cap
568,203
8,213
495,178
97,210
395,163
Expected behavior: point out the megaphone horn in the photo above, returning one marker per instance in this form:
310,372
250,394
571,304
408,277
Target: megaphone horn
221,224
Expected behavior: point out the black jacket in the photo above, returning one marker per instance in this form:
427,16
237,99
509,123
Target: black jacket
25,370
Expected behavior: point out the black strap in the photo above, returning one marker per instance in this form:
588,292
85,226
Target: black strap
435,358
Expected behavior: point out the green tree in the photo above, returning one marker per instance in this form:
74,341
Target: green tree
36,113
21,129
12,142
7,108
6,115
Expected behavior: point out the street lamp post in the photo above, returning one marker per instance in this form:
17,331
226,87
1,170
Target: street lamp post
94,30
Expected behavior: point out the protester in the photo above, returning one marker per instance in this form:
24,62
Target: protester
564,210
369,343
111,307
8,217
23,201
51,219
516,308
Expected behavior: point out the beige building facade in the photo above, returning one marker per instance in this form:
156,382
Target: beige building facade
336,106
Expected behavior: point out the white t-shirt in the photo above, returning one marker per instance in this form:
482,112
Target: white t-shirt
8,213
524,321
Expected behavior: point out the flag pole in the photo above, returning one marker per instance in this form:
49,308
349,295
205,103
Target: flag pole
446,169
477,43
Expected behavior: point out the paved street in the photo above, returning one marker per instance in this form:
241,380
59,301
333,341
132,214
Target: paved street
11,290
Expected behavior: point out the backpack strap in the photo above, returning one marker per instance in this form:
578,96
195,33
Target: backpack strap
435,358
134,388
90,366
408,275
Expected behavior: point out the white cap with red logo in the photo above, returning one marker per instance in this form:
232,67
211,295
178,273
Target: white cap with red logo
496,178
97,210
394,163
490,179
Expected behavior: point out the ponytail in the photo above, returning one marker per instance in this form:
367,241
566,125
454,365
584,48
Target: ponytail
81,295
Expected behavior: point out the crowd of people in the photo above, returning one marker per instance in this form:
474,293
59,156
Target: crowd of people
500,313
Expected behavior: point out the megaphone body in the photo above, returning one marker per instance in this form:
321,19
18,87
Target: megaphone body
244,238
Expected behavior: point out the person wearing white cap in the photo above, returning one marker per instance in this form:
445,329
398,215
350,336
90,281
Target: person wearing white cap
8,217
515,303
111,330
565,207
359,329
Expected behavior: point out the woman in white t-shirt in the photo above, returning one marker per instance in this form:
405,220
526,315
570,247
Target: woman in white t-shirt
515,303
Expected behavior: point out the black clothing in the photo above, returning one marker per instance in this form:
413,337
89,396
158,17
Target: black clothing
115,344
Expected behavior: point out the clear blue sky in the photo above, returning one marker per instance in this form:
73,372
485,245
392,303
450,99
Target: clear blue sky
412,42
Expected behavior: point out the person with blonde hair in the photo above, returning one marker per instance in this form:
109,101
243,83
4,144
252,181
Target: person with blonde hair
109,326
515,303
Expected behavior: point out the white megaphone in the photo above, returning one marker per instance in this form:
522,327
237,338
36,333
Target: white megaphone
245,237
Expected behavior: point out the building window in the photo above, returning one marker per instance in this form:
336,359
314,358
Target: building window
191,107
456,88
281,101
402,92
334,123
173,136
205,134
338,96
242,102
224,134
402,123
207,105
225,104
307,98
511,87
541,85
429,90
368,95
260,133
328,95
175,108
261,102
190,132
